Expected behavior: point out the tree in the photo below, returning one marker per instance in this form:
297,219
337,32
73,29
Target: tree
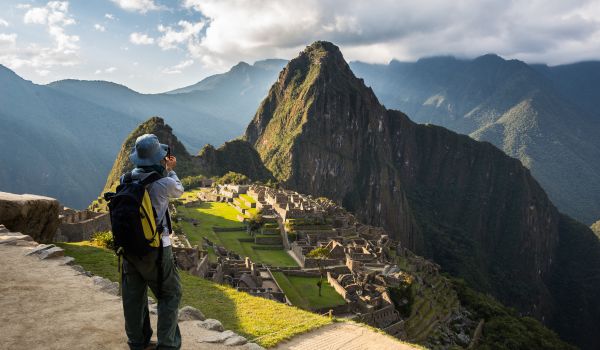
320,254
255,221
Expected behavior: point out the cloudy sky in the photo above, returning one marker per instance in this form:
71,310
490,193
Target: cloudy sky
158,45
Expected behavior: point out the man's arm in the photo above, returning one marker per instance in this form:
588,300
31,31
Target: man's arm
173,185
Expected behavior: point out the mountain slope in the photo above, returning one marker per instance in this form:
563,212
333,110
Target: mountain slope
53,144
210,162
540,115
64,136
463,203
196,127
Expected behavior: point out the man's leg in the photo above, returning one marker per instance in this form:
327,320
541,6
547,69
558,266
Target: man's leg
168,333
135,307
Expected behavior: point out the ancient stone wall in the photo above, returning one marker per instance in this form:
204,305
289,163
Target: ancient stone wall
74,231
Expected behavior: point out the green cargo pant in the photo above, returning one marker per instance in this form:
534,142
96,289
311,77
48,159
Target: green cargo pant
138,275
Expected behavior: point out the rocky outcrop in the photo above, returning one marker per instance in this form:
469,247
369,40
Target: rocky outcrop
237,155
465,204
36,216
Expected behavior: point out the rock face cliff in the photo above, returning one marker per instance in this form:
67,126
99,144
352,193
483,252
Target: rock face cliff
463,203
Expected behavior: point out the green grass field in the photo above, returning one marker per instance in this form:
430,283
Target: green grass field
253,317
211,214
304,293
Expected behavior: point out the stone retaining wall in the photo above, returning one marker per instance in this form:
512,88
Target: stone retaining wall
83,230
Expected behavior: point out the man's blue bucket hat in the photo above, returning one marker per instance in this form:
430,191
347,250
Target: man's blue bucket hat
148,151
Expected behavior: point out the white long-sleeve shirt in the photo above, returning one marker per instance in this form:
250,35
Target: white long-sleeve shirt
160,192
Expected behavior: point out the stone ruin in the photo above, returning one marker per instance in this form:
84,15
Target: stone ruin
360,267
77,226
241,273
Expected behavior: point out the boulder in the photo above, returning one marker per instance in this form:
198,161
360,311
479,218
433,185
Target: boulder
253,346
67,260
39,248
211,325
217,337
36,216
53,252
188,313
235,340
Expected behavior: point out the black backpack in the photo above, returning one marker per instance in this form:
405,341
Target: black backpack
133,219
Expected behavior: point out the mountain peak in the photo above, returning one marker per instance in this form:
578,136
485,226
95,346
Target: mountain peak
241,66
321,52
154,125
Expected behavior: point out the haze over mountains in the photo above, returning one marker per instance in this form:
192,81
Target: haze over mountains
544,116
61,139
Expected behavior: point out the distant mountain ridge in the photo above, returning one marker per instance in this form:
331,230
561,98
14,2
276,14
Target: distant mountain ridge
463,203
64,136
542,115
53,144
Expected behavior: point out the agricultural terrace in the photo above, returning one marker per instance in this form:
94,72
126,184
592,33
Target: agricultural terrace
201,220
304,292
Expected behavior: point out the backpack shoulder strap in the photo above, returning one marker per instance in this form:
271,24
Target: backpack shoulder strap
151,178
127,178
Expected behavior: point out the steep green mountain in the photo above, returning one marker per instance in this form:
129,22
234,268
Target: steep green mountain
542,115
55,145
238,156
463,203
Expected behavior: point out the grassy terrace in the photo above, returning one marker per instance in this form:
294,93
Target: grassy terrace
216,214
304,293
250,316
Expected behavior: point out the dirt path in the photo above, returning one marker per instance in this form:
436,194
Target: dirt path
344,336
47,306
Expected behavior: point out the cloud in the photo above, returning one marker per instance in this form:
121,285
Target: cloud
99,27
187,34
108,70
64,49
109,16
3,23
378,32
140,39
8,40
176,69
141,6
